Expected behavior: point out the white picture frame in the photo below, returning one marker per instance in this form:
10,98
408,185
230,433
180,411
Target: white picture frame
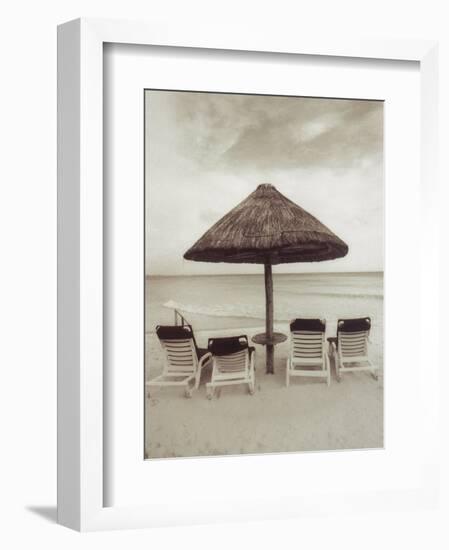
81,473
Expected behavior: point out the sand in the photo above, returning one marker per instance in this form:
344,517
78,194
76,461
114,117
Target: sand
306,416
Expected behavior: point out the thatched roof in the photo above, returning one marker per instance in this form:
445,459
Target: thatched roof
267,226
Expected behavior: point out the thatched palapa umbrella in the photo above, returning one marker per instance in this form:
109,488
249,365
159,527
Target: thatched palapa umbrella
267,228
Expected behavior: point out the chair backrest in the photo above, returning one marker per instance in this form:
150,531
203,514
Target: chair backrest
179,346
352,336
307,338
230,354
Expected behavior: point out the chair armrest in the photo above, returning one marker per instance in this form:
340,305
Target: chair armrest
204,359
332,345
252,355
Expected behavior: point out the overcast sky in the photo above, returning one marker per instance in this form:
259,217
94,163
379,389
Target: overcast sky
206,152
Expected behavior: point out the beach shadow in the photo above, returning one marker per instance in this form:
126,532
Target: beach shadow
49,513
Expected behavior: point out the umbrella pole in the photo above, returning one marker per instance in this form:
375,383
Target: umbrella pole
269,316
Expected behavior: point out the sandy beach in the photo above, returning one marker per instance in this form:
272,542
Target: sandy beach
307,416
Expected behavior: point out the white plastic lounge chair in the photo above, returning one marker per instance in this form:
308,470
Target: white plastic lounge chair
232,363
308,354
183,359
351,348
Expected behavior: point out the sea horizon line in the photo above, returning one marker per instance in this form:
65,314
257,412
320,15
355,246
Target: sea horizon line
370,272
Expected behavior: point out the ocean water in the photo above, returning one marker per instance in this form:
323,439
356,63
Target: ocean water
238,301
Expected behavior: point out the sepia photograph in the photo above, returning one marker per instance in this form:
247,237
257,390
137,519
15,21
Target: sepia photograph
264,261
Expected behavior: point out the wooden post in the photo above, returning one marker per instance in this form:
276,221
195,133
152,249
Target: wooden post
269,316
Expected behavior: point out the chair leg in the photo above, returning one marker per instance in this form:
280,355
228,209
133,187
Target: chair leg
252,383
197,379
337,367
328,368
209,391
287,373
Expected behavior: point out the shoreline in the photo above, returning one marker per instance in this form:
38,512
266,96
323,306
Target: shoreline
213,302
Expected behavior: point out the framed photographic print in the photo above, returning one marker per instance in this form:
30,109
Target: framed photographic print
235,276
206,334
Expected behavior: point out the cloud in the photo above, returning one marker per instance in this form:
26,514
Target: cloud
236,132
